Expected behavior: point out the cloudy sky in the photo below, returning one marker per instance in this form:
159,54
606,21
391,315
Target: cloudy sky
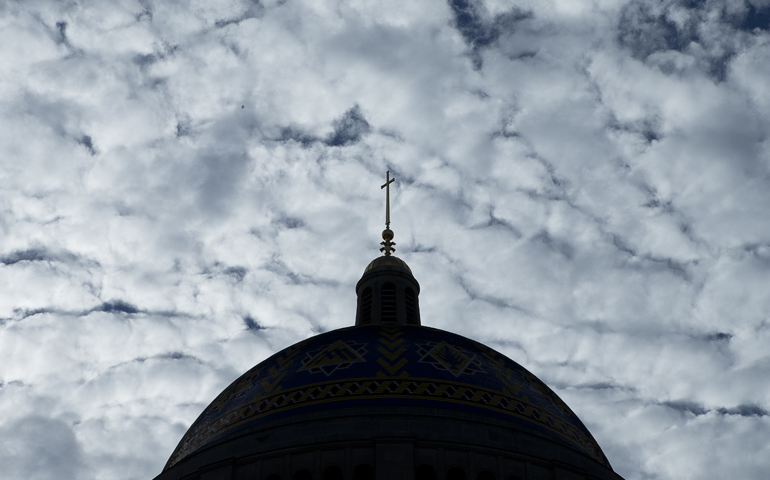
187,187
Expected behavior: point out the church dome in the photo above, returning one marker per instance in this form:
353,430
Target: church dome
383,366
388,399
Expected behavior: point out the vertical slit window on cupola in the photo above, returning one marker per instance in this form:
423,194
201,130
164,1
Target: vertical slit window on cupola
388,312
411,308
366,306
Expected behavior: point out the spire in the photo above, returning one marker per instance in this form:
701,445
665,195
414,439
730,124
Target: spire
387,234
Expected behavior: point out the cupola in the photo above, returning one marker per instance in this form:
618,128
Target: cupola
388,294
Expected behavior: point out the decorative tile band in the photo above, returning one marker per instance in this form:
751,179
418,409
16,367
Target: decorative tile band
363,390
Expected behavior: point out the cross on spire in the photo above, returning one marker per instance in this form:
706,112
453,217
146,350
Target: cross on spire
388,181
387,234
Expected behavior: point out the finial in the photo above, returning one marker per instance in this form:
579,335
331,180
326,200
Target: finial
387,234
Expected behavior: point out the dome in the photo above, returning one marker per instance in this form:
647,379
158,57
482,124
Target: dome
387,398
388,261
405,367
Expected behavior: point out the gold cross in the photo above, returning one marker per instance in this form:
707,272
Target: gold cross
388,181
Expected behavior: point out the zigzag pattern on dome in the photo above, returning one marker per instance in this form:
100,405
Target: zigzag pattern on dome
377,365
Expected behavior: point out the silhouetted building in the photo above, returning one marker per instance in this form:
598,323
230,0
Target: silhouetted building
387,399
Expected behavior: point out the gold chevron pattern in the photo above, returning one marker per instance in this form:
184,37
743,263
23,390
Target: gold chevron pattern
391,350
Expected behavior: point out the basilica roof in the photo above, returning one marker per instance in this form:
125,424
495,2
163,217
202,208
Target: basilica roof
386,365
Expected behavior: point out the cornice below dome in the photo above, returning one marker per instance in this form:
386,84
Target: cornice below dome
379,365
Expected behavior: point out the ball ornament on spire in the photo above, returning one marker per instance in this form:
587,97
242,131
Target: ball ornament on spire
387,245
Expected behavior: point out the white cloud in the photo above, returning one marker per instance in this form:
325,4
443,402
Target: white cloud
190,187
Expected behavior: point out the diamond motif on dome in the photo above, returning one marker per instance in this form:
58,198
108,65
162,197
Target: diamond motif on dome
452,359
332,357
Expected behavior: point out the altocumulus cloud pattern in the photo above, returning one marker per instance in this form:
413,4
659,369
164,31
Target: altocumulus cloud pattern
189,187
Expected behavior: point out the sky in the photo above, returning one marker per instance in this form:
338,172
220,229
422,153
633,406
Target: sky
187,187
